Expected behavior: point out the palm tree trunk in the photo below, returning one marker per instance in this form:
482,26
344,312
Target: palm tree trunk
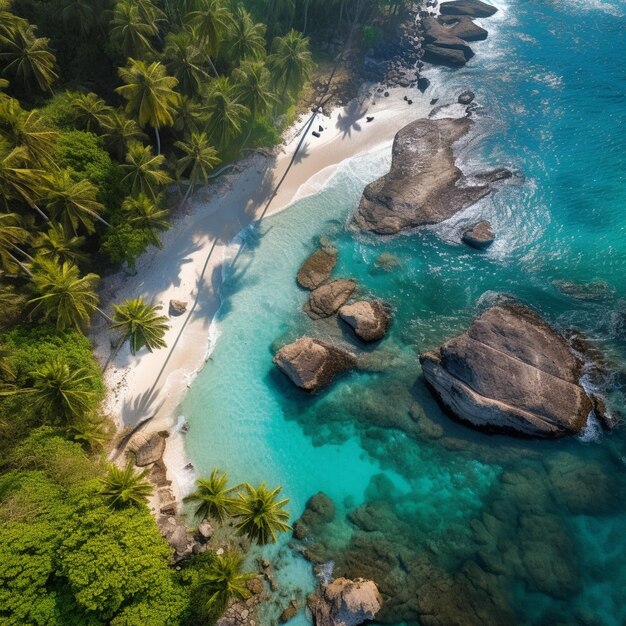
212,66
158,139
23,253
187,194
104,315
34,206
306,15
21,265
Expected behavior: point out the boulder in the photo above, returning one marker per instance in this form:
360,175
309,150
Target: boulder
177,307
512,372
311,364
346,602
205,530
442,46
289,612
319,510
423,186
369,319
317,268
479,236
470,8
147,447
326,299
463,27
466,97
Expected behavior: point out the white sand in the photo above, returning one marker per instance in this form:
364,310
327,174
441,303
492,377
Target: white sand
188,267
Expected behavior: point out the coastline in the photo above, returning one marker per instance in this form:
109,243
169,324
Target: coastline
150,386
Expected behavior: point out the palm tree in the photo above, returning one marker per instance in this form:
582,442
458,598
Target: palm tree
18,181
261,516
185,61
119,131
144,212
81,14
12,305
91,432
191,116
246,39
56,244
141,324
62,295
27,57
290,62
212,498
253,89
223,581
72,203
200,157
226,115
28,130
150,94
125,487
11,234
131,30
61,394
212,21
90,112
145,170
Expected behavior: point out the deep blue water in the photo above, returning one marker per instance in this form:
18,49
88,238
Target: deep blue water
455,526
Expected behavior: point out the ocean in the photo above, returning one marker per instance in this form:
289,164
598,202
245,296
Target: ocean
455,526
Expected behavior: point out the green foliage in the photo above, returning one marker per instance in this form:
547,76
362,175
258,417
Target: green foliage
123,487
371,36
260,514
124,243
212,497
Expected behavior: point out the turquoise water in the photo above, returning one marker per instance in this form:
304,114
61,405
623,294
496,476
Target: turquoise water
455,526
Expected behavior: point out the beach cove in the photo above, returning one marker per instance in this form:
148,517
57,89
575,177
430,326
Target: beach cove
421,501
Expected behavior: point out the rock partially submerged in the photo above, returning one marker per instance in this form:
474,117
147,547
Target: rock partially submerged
463,27
369,319
423,186
442,45
470,8
479,236
148,447
345,602
317,268
311,364
326,299
513,372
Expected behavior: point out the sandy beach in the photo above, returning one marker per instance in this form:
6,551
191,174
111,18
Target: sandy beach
189,265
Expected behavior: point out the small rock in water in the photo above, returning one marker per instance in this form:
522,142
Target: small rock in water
434,101
479,236
466,97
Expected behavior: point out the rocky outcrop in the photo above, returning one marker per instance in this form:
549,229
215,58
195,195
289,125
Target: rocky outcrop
466,97
463,27
442,45
326,299
511,372
319,510
346,602
317,268
470,8
369,319
423,186
311,364
479,236
148,447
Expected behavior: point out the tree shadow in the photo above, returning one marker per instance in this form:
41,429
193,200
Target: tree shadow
303,153
348,119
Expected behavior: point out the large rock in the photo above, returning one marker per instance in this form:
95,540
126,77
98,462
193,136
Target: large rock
423,186
479,236
510,371
369,319
312,364
346,602
463,27
442,45
326,299
471,8
147,447
317,268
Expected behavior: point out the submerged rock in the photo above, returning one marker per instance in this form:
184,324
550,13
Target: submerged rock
311,364
423,186
471,8
510,371
369,319
326,299
479,236
594,290
317,268
346,602
147,447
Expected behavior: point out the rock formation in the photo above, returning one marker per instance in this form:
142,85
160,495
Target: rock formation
317,268
319,510
510,371
326,299
147,447
177,307
463,27
470,8
346,602
479,236
442,45
311,364
369,319
423,186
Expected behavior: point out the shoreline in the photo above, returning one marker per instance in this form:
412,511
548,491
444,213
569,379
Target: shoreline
188,267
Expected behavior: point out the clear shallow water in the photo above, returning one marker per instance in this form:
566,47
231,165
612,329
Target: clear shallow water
450,522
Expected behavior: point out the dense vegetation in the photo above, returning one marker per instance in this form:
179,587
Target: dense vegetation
105,109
